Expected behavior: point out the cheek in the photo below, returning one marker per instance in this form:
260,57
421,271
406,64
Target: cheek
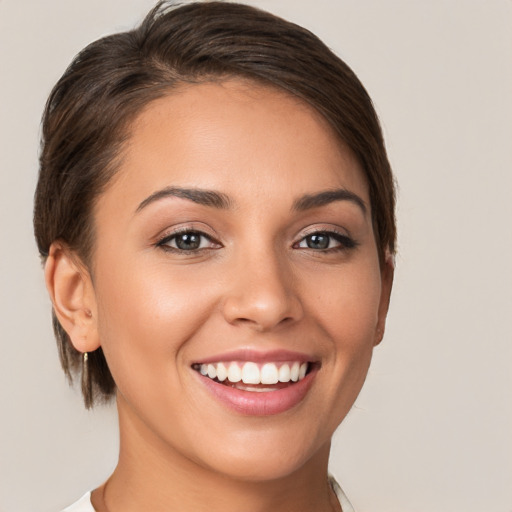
348,313
348,305
146,314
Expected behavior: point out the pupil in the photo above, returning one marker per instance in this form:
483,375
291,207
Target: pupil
318,242
188,241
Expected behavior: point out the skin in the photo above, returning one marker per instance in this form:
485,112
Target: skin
254,283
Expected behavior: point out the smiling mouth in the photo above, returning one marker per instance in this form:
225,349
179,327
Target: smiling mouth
251,376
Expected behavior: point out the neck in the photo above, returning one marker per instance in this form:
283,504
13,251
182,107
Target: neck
151,475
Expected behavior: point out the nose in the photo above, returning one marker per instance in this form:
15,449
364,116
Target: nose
261,294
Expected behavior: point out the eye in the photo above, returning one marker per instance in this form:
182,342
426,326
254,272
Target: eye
187,241
325,241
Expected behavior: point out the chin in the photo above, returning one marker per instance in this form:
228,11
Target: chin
260,459
254,468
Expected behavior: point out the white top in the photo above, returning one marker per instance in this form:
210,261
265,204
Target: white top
84,503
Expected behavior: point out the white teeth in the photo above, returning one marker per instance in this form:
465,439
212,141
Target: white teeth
269,374
222,372
234,373
212,372
284,373
251,373
294,372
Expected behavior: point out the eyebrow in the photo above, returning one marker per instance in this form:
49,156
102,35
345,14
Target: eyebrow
326,197
222,201
197,195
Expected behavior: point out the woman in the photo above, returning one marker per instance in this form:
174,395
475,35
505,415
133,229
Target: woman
215,210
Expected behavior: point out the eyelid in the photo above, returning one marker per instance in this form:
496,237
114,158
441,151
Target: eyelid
325,228
345,240
167,235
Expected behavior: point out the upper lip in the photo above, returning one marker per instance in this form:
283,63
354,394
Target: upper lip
258,356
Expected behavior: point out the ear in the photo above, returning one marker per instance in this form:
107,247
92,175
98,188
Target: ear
70,287
387,272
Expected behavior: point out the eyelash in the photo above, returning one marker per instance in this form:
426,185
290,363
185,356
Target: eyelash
164,242
343,241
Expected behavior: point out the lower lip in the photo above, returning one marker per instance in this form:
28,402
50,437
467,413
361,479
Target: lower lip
253,403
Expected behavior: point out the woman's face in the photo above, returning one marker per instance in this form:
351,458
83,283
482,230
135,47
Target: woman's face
236,240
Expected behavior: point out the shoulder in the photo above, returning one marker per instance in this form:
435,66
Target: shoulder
342,498
82,505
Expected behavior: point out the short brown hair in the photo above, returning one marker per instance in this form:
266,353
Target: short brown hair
88,114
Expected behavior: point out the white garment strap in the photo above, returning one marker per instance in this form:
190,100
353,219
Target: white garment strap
342,498
82,505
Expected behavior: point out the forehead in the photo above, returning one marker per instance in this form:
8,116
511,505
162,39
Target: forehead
238,136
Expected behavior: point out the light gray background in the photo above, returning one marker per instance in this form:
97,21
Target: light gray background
432,429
